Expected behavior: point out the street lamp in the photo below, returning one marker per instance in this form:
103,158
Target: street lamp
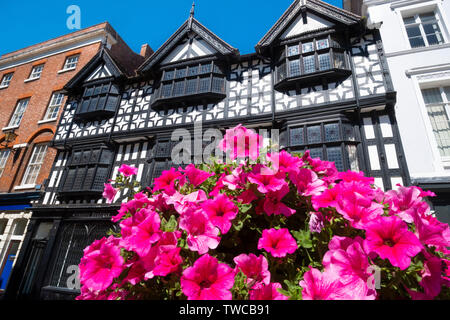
10,136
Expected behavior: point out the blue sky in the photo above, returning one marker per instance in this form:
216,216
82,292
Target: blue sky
241,23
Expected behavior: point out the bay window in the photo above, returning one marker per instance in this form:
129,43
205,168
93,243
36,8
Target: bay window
334,141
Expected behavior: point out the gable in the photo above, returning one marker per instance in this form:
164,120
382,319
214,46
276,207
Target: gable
101,72
319,15
188,49
302,25
178,47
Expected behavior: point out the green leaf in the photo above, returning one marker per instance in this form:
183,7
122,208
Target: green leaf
303,238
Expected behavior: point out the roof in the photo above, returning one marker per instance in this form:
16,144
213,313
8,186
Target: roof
190,25
338,14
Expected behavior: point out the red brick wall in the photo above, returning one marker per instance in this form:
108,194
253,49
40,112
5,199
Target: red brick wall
29,131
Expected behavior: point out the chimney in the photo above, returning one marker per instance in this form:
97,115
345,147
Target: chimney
146,51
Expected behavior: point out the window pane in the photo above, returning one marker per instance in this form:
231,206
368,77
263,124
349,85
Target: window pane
307,47
281,72
294,68
4,154
439,118
353,158
427,17
20,225
296,137
206,68
293,50
324,61
218,85
335,155
339,60
3,223
166,90
432,96
447,92
193,71
316,153
309,64
204,85
178,88
168,75
331,132
322,44
314,134
181,73
409,20
415,37
349,132
433,33
191,86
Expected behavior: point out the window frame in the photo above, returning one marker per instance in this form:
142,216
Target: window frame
13,120
4,156
35,161
445,102
343,142
32,75
52,107
333,49
65,68
2,83
171,80
418,22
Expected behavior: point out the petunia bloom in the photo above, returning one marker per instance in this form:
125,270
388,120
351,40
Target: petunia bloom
166,182
221,211
127,170
109,193
267,292
208,279
322,286
202,235
390,239
144,234
277,242
255,268
100,264
240,142
196,176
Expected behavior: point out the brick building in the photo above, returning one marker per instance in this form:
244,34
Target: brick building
31,101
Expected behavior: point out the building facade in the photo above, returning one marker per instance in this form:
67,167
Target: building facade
31,102
319,76
416,40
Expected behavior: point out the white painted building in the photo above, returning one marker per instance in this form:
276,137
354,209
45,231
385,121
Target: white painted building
416,39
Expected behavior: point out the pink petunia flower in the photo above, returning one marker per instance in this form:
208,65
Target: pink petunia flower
284,162
127,170
432,232
273,205
109,193
196,176
277,242
267,292
202,235
307,182
208,279
221,211
390,239
322,286
144,234
240,142
266,180
166,182
350,263
100,264
255,268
